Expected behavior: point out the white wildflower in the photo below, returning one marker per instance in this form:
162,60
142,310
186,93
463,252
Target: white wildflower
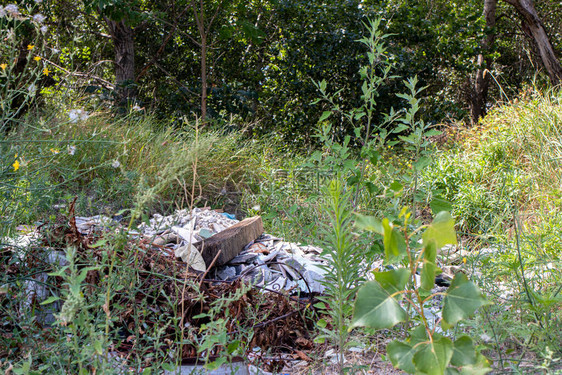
39,18
71,150
2,12
136,107
31,89
115,164
55,51
73,115
12,10
77,114
38,1
44,29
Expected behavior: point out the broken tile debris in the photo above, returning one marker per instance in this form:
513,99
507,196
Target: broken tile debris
246,252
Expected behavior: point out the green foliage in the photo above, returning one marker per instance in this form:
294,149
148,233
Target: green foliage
109,163
21,62
380,303
344,274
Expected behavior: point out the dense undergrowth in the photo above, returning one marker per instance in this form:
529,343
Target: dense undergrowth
502,179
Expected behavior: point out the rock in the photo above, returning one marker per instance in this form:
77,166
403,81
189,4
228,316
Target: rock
228,273
230,241
165,239
443,279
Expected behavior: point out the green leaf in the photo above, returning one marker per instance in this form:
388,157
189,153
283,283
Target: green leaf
422,163
233,346
51,299
463,352
461,300
439,204
324,116
322,323
393,281
215,364
371,188
394,243
100,243
481,367
396,186
409,139
369,223
376,308
401,355
451,371
432,358
61,272
441,230
98,347
169,366
429,267
432,132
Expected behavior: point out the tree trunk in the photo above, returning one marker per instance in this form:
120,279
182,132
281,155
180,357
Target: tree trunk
531,20
203,77
482,81
123,42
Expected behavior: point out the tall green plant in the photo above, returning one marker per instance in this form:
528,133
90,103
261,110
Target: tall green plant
373,75
396,297
416,141
344,270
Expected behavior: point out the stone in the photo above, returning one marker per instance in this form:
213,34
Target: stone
228,273
230,241
164,239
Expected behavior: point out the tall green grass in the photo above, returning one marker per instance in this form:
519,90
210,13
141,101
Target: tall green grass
108,161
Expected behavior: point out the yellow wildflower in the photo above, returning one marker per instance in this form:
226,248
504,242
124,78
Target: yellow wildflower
55,150
464,260
3,66
16,165
30,47
46,71
37,58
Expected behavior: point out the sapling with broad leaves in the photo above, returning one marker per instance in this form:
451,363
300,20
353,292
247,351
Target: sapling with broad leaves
398,296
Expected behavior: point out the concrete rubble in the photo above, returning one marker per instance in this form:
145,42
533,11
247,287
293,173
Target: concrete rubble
266,260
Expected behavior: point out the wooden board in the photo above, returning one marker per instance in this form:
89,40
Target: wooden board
230,241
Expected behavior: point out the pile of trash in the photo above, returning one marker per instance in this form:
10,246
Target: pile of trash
266,261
